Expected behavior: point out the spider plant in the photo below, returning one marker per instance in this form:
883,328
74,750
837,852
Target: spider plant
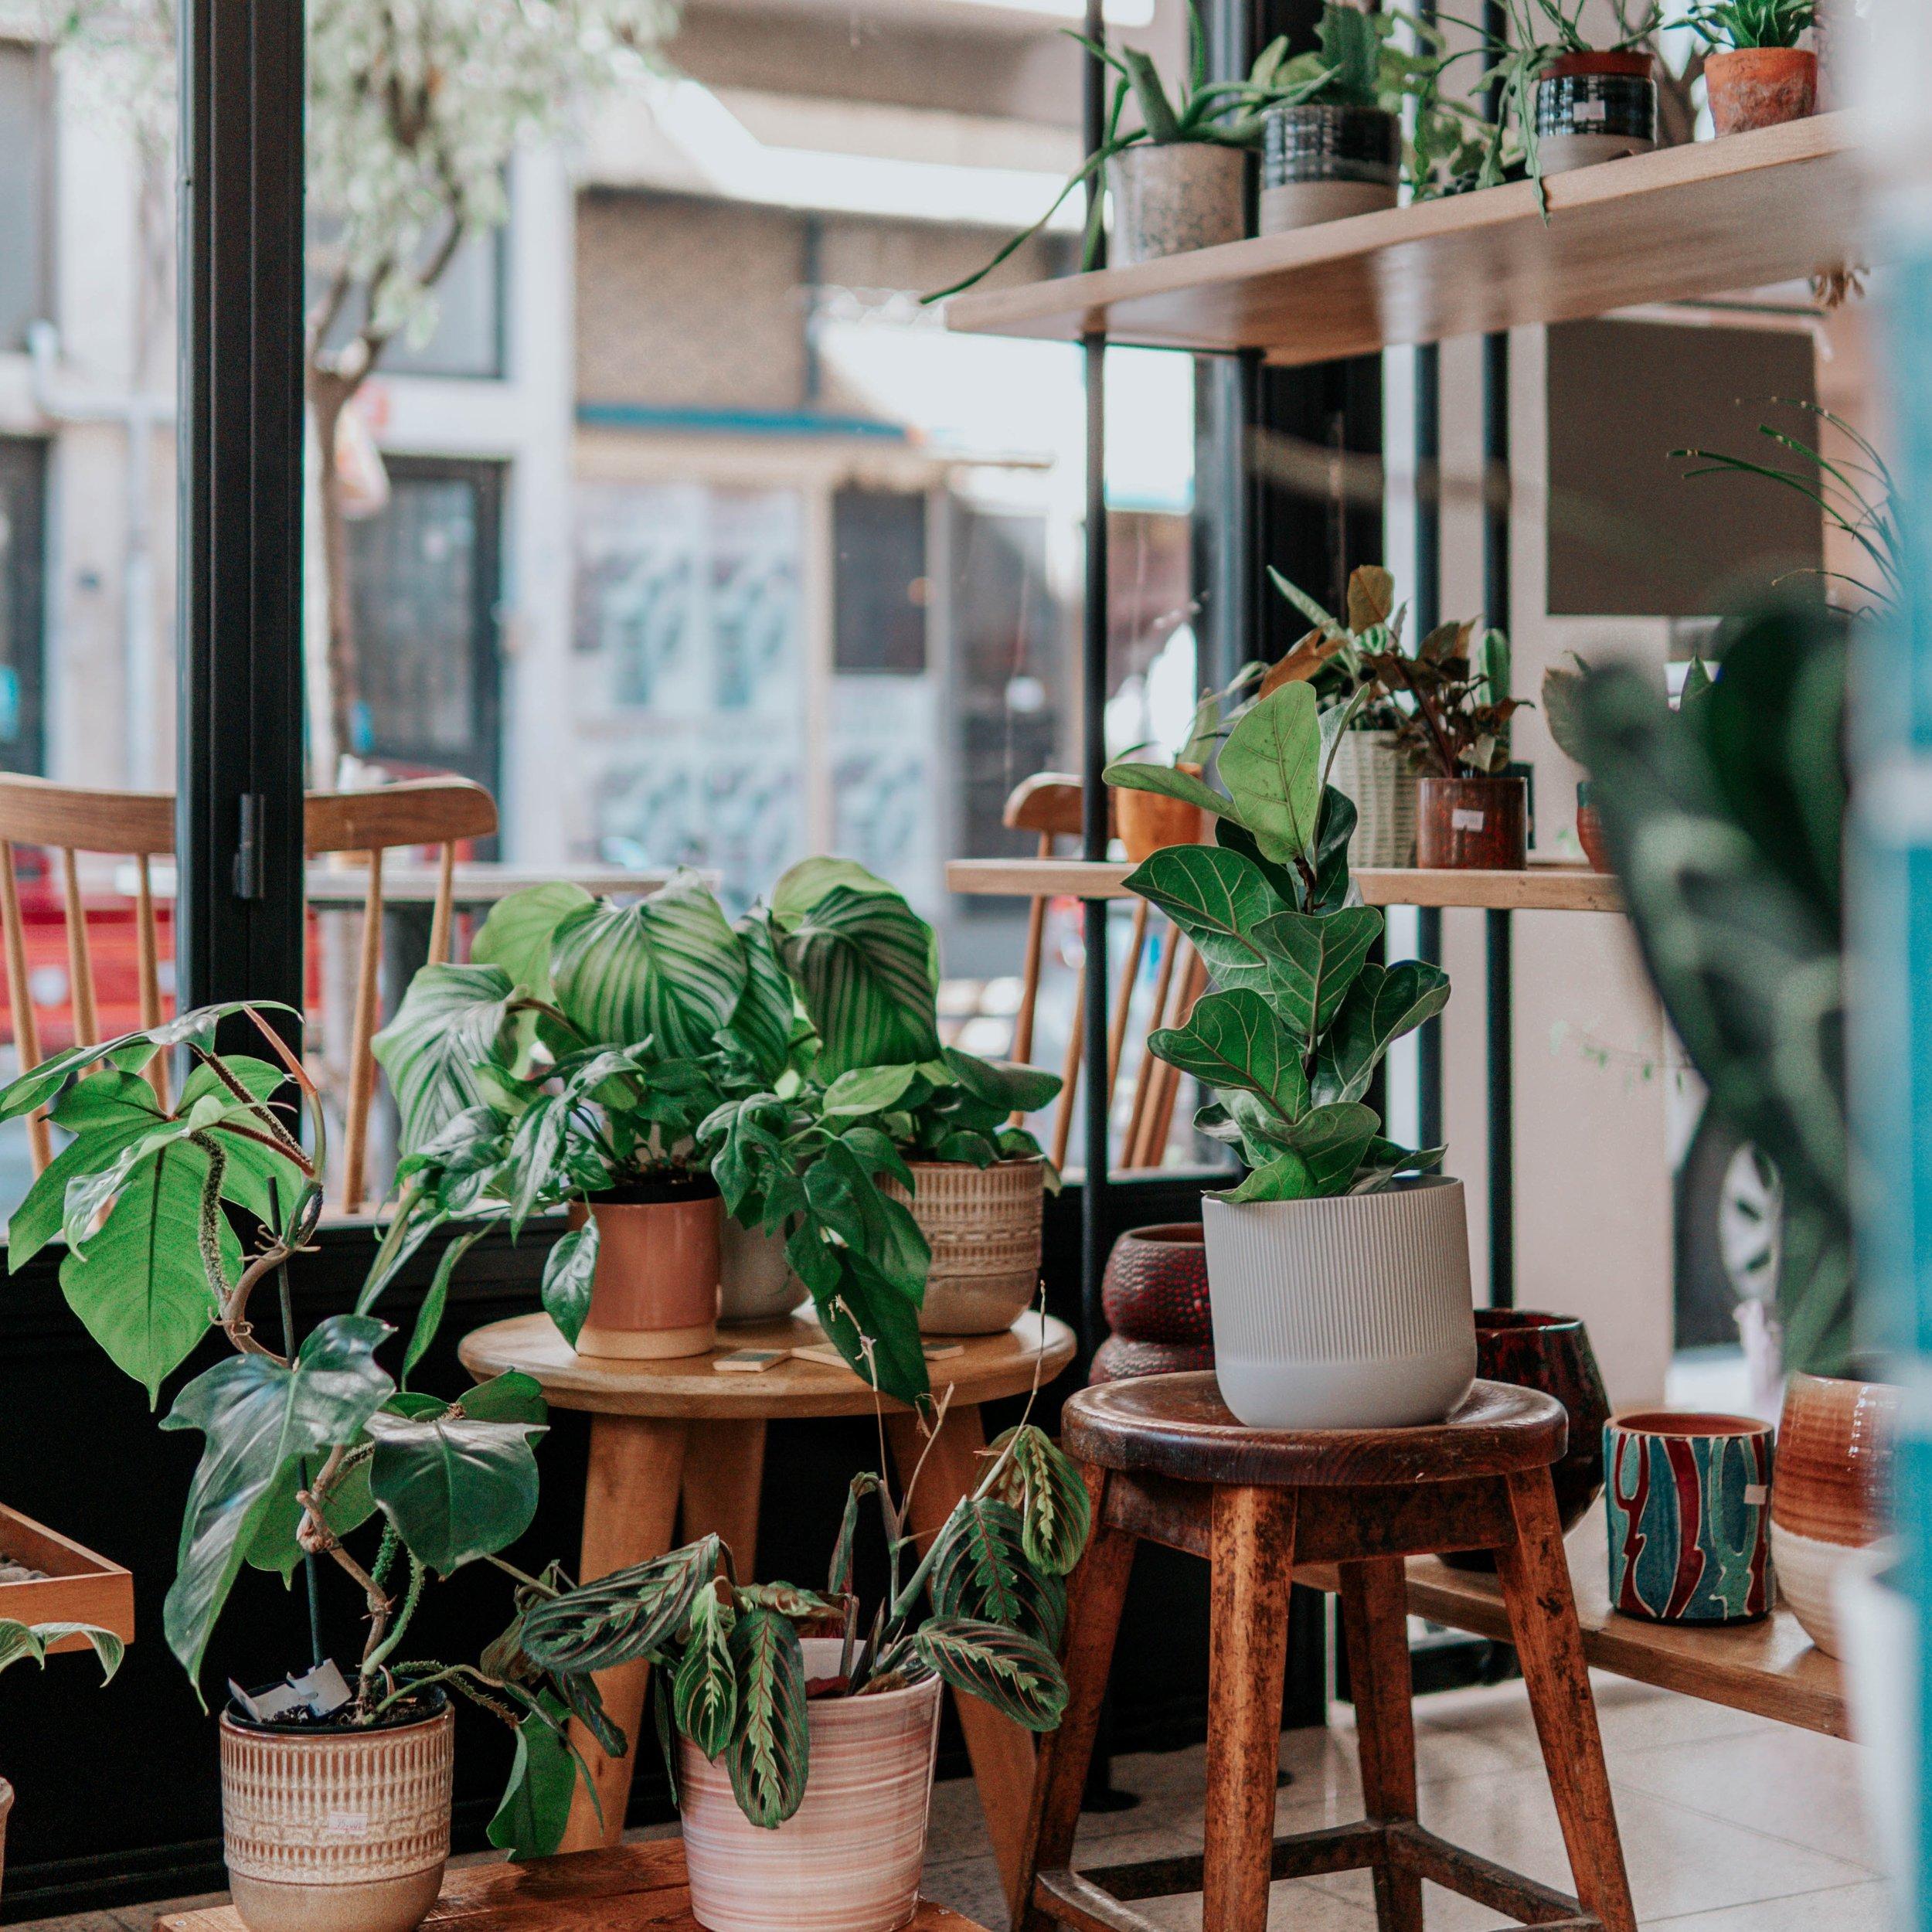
1739,24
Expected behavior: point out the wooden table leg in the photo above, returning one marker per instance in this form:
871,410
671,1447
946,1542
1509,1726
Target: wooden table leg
1251,1548
1002,1752
1542,1619
1375,1619
724,1468
630,1511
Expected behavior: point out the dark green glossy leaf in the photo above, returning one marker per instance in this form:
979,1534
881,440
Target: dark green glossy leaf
1217,897
868,1090
1382,1004
536,1805
349,1505
1313,959
1000,1083
455,1489
1271,765
1234,1040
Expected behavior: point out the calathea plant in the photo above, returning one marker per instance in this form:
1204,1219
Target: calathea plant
305,1447
1300,1015
982,1609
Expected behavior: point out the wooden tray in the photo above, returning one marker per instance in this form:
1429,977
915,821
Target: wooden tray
79,1587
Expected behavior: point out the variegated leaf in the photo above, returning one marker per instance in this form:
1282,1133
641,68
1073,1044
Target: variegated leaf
770,1756
1056,1512
1003,1668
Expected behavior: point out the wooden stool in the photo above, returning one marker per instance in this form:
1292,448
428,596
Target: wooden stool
1165,1459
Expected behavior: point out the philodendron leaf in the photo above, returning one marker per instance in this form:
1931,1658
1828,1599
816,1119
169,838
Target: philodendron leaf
1217,897
1000,1083
511,1397
868,1090
981,1570
568,1271
1313,959
1004,1667
863,961
455,1489
771,1755
536,1805
705,1691
257,1415
616,1619
1045,1486
112,1127
669,967
1383,1004
349,1506
453,1021
1271,765
517,934
1234,1040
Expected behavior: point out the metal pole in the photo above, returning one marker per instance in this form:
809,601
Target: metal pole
1428,614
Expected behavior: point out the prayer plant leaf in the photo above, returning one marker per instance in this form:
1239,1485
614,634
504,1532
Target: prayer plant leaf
863,962
1045,1486
517,934
705,1690
632,1613
1005,1668
981,1571
453,1024
771,1755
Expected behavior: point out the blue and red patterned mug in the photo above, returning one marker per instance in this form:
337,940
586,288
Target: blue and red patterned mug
1686,1501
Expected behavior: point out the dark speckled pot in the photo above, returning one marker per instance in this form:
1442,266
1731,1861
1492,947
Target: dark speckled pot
1551,1353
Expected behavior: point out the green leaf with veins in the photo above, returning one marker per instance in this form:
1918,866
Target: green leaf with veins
981,1570
569,1271
1002,1085
1005,1668
1217,897
1382,1004
1047,1489
1313,959
453,1021
1234,1040
705,1688
863,963
771,1756
536,1805
456,1489
517,934
1271,765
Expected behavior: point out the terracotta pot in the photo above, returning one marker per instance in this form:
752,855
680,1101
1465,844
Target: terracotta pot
1155,1288
1594,106
1590,830
983,1225
1168,199
1834,1453
1120,1359
1322,162
1148,820
755,1282
1375,774
655,1291
1760,87
1551,1353
849,1860
336,1831
1473,825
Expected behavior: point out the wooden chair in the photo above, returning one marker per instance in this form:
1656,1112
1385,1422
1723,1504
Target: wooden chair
438,812
1164,1460
1049,804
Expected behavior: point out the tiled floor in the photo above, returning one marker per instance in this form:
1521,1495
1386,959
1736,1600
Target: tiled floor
1730,1823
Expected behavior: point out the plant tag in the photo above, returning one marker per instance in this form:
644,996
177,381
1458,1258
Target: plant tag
749,1361
1462,819
941,1350
1757,1492
1585,112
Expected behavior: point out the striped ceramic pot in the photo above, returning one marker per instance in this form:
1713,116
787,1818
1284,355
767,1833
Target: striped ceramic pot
1353,1312
983,1225
1685,1504
849,1860
342,1830
1833,1490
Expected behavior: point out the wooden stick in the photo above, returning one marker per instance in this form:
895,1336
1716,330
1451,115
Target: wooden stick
1030,967
1124,999
26,1033
1192,980
80,965
362,1058
445,899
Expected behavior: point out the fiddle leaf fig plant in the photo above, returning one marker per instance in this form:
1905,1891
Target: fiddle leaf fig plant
1300,1015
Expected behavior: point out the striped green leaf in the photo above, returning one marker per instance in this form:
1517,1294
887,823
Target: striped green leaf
629,1614
980,1572
863,961
705,1691
452,1027
518,932
1005,1668
1043,1484
770,1756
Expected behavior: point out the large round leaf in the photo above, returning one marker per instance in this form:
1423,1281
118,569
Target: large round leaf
453,1022
1271,765
518,932
863,961
455,1489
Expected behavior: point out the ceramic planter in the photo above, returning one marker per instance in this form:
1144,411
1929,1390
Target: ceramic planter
342,1831
655,1294
1473,825
755,1282
1170,199
1595,107
1835,1441
983,1225
1760,87
849,1859
1550,1353
1325,163
1154,1296
1376,774
1349,1312
1590,829
1148,820
1685,1510
1120,1359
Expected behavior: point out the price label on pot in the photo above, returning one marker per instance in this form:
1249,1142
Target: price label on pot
1584,112
347,1825
1463,819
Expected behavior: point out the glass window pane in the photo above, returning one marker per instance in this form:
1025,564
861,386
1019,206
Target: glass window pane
25,136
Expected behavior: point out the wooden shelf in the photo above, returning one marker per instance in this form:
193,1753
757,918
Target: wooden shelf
1540,888
1752,209
79,1587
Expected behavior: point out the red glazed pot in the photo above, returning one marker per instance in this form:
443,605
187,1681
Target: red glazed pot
1590,830
1753,88
1473,825
1832,1490
1156,1286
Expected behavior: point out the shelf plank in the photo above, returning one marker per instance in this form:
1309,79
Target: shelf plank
1540,888
1777,204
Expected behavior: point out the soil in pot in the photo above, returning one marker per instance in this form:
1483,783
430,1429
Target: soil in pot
1591,107
655,1294
849,1860
328,1828
983,1225
1174,197
1324,163
1473,825
1753,88
1147,821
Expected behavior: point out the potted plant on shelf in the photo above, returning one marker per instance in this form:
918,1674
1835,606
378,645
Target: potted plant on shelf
1561,686
799,1735
335,1790
20,1642
1339,1291
1755,72
1146,820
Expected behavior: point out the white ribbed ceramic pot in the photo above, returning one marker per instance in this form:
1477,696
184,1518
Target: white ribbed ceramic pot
1348,1313
755,1280
849,1860
336,1830
1374,772
983,1226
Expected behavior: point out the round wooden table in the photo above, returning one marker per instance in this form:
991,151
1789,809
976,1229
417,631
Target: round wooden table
678,1438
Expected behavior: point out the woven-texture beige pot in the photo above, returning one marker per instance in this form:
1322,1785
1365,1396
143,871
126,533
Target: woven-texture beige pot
983,1225
340,1831
1373,771
849,1859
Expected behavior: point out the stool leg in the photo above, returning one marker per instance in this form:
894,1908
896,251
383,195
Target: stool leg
1095,1593
724,1474
1542,1619
1251,1547
1374,1621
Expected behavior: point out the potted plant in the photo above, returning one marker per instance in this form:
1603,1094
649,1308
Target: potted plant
799,1734
1146,820
1339,1291
1560,687
336,1788
1756,74
20,1642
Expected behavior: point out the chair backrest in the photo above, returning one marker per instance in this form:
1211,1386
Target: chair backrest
66,821
437,812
